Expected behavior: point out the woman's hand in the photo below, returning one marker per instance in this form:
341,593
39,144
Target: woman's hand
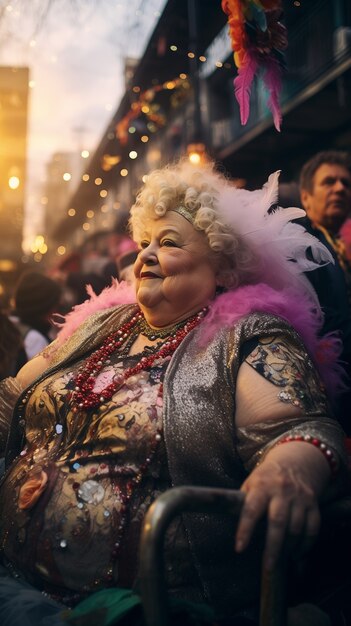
286,488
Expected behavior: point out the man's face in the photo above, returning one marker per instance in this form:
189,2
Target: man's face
329,202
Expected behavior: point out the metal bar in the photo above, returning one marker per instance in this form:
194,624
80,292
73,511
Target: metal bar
152,579
273,606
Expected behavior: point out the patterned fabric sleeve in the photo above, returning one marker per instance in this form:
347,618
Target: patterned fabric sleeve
10,390
255,441
291,370
284,362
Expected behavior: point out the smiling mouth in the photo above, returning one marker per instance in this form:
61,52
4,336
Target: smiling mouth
148,275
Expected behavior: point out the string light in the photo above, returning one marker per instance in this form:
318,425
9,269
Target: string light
61,250
86,226
103,193
85,177
124,172
14,182
194,158
196,153
90,214
66,176
191,55
71,212
98,181
144,138
133,154
173,48
39,247
85,154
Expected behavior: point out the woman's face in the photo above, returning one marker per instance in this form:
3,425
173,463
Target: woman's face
175,270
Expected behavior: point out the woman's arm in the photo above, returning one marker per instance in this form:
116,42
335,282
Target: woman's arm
290,479
11,389
32,369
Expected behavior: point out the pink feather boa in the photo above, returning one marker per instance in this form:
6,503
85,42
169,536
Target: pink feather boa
228,309
117,294
293,307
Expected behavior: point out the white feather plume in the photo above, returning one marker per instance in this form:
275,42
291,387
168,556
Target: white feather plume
285,249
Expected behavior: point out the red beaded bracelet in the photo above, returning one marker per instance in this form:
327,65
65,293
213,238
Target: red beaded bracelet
328,454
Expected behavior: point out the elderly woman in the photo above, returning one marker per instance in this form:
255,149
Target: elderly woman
199,382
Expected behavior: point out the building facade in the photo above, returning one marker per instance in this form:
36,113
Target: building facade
180,101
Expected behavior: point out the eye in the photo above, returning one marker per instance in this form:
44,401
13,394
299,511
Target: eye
169,243
144,244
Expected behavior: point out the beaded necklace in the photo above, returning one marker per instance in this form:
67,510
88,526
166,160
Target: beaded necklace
157,333
84,398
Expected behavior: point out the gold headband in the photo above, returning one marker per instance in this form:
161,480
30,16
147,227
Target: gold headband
185,213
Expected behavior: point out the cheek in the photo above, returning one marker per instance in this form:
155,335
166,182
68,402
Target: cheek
137,267
173,263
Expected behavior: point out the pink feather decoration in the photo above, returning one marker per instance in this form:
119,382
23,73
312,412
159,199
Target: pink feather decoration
243,84
272,78
225,311
118,293
291,306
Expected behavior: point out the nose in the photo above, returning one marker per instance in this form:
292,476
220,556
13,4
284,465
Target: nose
148,255
339,185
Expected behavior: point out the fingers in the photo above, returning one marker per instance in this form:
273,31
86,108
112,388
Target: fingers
302,542
295,519
253,509
278,522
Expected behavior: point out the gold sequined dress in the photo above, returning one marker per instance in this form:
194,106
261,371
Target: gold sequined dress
93,479
74,501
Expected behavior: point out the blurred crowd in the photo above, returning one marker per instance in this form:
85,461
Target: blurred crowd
30,316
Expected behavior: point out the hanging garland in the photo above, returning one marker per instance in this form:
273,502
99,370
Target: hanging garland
145,105
258,41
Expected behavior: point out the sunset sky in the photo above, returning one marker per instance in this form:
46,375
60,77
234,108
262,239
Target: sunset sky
75,51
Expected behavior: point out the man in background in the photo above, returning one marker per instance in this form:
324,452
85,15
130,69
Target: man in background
325,188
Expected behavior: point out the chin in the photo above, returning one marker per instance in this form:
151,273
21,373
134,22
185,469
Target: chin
146,298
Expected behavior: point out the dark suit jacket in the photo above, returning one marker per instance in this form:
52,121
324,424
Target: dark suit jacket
330,285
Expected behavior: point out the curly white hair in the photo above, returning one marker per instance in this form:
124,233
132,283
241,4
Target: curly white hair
197,189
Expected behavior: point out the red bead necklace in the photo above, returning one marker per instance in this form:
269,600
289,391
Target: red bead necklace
84,398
